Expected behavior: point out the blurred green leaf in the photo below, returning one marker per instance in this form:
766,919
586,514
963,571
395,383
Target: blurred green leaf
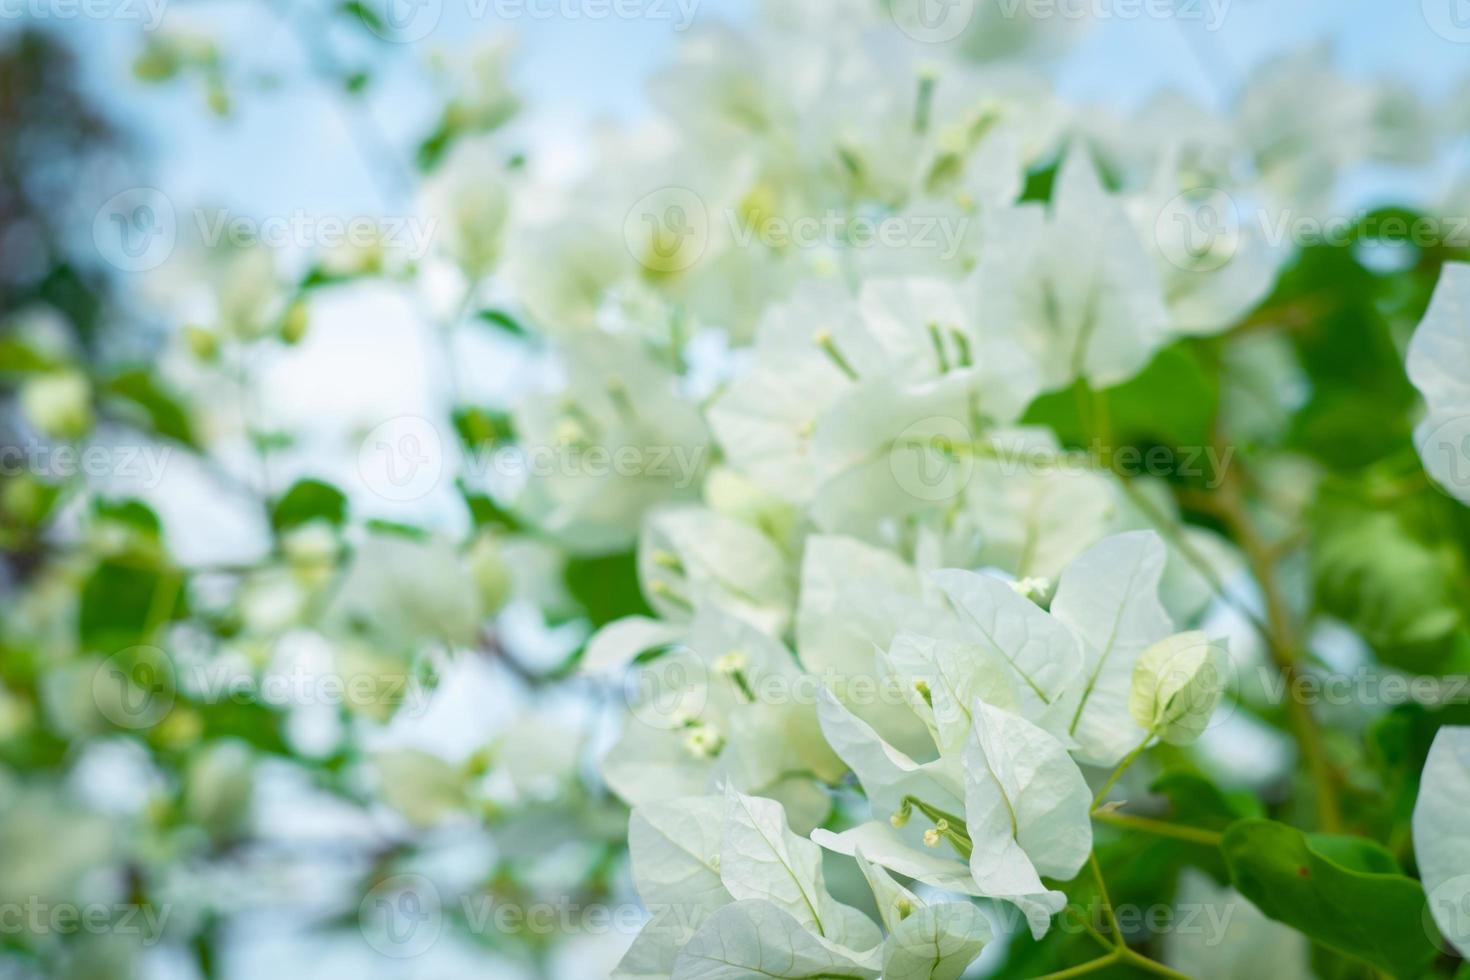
139,392
607,587
1376,916
306,501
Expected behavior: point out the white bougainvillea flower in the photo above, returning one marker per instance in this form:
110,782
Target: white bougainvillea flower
938,942
1442,834
895,785
766,419
836,384
1177,683
402,592
1042,655
622,641
1439,366
929,329
692,557
617,439
467,200
760,858
1213,260
884,454
854,599
731,889
942,678
1036,510
1305,122
674,849
1027,813
1075,282
726,703
424,788
925,942
754,938
898,443
1109,599
949,822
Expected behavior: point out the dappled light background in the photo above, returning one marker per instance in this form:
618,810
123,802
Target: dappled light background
274,838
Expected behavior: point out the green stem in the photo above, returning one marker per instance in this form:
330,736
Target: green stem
1102,893
1129,822
1102,940
1152,966
1128,760
1091,966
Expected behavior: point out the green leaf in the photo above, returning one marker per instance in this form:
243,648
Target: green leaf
369,17
1171,403
1397,590
19,358
408,531
1361,400
133,513
306,501
501,320
1375,916
120,604
1197,802
486,512
1355,853
479,427
606,587
140,393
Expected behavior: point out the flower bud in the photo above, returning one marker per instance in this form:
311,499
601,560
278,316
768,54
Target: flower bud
59,405
1176,685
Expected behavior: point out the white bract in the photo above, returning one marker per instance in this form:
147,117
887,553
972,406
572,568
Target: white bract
1075,283
732,889
727,703
1439,366
1442,834
1109,599
1176,684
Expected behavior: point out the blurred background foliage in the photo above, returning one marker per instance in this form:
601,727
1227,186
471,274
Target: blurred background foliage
122,781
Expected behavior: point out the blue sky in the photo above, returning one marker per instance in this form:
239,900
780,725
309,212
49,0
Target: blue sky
290,148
